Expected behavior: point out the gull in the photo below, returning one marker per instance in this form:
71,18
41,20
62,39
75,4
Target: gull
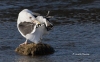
32,26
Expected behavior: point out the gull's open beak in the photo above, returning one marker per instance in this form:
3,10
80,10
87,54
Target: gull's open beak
37,22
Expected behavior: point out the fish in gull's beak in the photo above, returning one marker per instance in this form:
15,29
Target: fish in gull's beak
37,22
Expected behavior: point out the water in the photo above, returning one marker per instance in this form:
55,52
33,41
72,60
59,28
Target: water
75,36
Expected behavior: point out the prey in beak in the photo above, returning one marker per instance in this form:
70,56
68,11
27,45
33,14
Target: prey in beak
38,24
49,26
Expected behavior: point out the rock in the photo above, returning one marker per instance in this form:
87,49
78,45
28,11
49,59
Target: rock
35,49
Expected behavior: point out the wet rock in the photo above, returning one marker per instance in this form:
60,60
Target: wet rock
35,49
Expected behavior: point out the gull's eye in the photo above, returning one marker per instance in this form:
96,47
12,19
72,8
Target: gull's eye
30,17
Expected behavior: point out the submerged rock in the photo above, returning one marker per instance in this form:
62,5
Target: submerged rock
35,49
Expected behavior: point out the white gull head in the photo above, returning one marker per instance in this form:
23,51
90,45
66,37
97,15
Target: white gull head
25,16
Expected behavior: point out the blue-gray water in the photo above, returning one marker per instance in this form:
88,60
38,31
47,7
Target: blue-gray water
75,36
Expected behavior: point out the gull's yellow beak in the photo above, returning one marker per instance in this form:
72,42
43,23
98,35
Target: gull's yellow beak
37,22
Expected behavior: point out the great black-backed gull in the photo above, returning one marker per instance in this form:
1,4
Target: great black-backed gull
32,26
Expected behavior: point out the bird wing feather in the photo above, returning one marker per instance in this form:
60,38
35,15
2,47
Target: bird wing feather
27,27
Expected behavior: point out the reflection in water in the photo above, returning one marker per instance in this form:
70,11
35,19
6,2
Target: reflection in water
34,59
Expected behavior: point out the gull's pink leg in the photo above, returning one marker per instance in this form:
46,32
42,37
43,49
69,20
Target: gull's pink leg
24,43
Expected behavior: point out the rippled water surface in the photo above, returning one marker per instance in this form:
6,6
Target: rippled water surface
75,36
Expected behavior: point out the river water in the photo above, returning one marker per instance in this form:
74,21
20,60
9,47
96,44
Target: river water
75,35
